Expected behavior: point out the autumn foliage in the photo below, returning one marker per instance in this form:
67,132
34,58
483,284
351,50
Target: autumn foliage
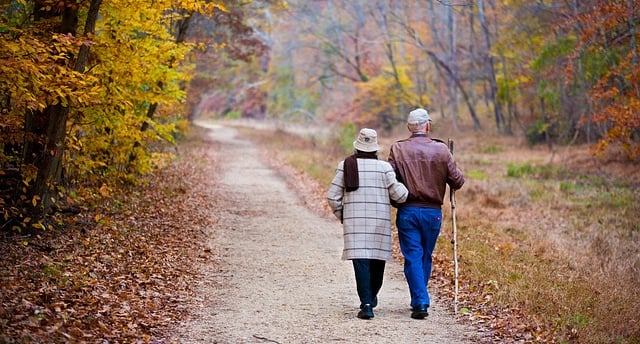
553,72
91,93
95,94
609,30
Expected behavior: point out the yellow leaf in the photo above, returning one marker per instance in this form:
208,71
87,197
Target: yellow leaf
104,191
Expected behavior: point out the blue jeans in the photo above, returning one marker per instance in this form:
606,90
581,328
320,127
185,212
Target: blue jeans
418,230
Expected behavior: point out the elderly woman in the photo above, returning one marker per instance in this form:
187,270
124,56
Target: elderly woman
359,196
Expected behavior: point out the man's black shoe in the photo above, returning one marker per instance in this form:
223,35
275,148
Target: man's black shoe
366,312
420,311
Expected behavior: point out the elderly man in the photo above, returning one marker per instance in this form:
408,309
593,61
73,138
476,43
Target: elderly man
359,196
425,166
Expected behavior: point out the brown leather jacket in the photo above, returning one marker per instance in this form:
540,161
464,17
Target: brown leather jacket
425,166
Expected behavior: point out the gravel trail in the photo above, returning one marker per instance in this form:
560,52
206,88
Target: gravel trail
278,277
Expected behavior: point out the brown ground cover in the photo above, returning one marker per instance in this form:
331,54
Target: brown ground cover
549,246
118,272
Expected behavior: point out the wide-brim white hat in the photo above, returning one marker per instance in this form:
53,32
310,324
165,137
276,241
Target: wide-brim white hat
367,141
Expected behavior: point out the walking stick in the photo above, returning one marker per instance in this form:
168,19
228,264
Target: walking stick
452,200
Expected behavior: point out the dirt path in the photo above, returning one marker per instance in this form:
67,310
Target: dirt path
278,277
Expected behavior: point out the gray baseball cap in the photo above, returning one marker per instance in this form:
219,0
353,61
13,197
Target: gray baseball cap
418,117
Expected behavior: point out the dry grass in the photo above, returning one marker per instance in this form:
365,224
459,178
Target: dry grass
558,241
552,238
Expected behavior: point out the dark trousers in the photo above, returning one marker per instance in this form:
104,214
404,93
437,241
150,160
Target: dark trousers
369,275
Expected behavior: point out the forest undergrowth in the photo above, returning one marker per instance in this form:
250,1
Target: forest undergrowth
119,271
548,241
549,246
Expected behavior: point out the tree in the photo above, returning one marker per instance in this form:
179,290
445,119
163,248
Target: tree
46,110
233,64
490,65
69,101
608,39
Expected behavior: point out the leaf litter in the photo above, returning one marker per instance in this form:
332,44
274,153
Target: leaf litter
120,272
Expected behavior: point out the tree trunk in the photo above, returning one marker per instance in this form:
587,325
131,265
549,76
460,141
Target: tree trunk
440,64
632,35
449,74
181,29
180,33
435,36
453,92
545,124
493,87
508,129
473,75
48,127
391,57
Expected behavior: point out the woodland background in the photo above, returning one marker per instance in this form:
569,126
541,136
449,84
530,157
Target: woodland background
95,97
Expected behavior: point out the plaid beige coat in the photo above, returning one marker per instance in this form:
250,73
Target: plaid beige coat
366,212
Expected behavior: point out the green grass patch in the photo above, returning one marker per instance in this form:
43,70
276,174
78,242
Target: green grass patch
491,149
549,171
476,174
607,208
617,199
538,190
519,170
346,136
568,187
546,171
54,274
314,165
479,161
235,114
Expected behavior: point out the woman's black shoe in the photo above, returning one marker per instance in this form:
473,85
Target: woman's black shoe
366,312
373,304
